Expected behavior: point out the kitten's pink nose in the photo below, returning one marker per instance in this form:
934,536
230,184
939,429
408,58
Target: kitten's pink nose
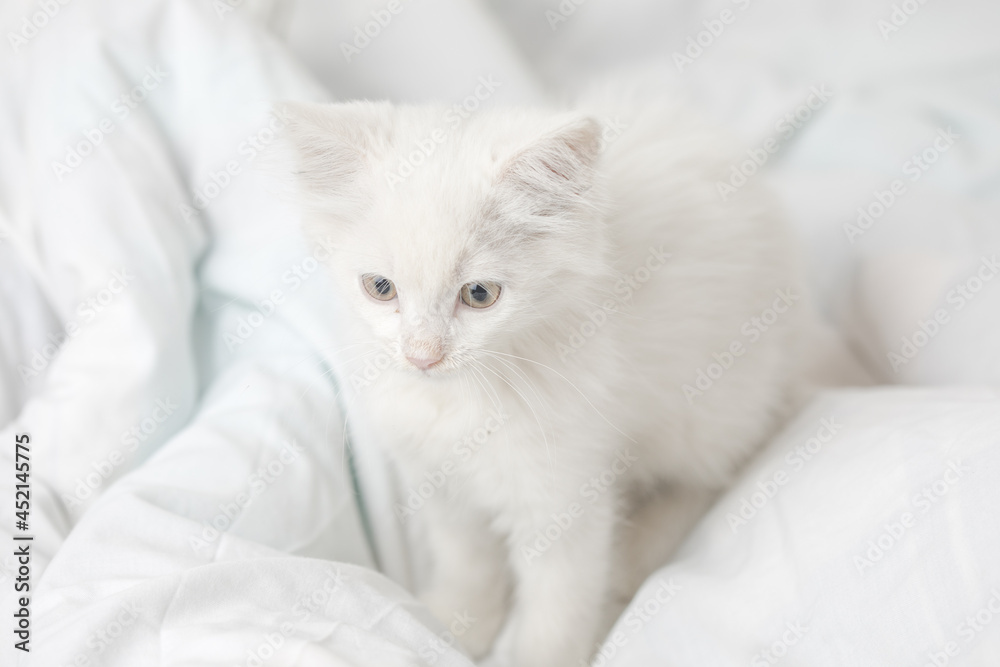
424,364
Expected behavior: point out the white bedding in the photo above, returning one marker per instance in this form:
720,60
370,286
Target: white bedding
196,347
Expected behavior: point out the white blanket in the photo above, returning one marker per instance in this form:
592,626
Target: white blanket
163,330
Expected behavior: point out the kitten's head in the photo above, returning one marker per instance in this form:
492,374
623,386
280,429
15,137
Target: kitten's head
452,236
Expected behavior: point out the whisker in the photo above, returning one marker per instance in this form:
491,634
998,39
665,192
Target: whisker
577,389
541,427
494,397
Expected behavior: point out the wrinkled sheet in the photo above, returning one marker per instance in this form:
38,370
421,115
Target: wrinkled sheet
164,336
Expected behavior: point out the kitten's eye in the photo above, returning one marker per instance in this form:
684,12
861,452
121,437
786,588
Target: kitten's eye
480,295
379,287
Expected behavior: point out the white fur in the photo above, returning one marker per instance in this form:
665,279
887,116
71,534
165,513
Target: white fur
543,204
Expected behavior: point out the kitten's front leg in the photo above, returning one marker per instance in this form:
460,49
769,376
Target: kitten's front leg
469,580
561,588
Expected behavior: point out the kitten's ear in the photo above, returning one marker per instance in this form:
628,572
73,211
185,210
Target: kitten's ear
332,144
557,169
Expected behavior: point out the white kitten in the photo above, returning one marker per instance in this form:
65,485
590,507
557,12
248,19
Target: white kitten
568,322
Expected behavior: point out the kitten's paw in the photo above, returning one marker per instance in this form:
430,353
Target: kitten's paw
531,641
505,647
475,623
